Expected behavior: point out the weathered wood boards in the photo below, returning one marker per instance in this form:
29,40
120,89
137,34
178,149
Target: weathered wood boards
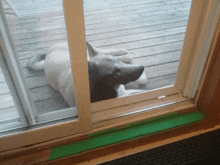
152,31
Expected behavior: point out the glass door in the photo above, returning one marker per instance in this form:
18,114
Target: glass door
41,57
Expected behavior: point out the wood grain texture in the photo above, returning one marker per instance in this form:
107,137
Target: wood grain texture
34,158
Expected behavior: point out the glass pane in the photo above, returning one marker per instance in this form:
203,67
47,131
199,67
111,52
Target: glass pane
151,31
38,28
9,116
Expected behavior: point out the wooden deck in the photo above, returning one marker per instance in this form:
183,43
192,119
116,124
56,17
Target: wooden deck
153,31
7,106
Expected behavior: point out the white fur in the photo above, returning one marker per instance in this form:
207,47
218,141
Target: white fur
58,70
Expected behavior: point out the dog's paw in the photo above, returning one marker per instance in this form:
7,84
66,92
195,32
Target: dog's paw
142,80
117,52
126,58
123,51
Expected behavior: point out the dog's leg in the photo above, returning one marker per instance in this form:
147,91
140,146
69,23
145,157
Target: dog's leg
113,52
122,54
122,92
125,58
143,79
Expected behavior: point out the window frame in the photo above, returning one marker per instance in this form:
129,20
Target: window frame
79,62
29,110
190,75
59,131
196,51
7,49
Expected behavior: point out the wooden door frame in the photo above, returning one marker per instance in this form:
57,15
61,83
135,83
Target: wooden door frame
208,104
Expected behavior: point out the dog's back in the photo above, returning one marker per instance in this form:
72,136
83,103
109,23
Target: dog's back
58,71
107,74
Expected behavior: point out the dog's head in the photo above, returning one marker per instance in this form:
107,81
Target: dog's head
112,70
106,73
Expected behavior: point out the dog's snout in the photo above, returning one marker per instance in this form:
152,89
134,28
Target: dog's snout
130,73
139,70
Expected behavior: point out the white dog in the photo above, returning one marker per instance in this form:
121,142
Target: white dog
109,71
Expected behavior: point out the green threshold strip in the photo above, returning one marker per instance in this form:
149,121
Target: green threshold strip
129,132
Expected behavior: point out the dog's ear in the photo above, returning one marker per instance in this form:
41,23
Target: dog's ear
91,50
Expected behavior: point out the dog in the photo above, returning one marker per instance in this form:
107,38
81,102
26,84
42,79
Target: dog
109,71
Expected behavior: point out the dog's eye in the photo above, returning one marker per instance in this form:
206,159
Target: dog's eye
117,69
116,76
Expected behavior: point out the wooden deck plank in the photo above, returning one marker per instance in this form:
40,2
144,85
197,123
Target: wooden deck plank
4,88
6,101
34,38
159,59
137,52
2,78
89,6
20,32
43,93
102,5
140,13
49,105
25,7
28,37
130,45
169,33
160,82
161,10
162,70
7,106
144,29
45,42
145,20
106,28
90,9
141,6
36,81
129,6
151,38
157,49
8,113
36,18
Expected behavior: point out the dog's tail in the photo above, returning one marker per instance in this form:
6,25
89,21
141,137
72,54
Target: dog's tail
36,63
